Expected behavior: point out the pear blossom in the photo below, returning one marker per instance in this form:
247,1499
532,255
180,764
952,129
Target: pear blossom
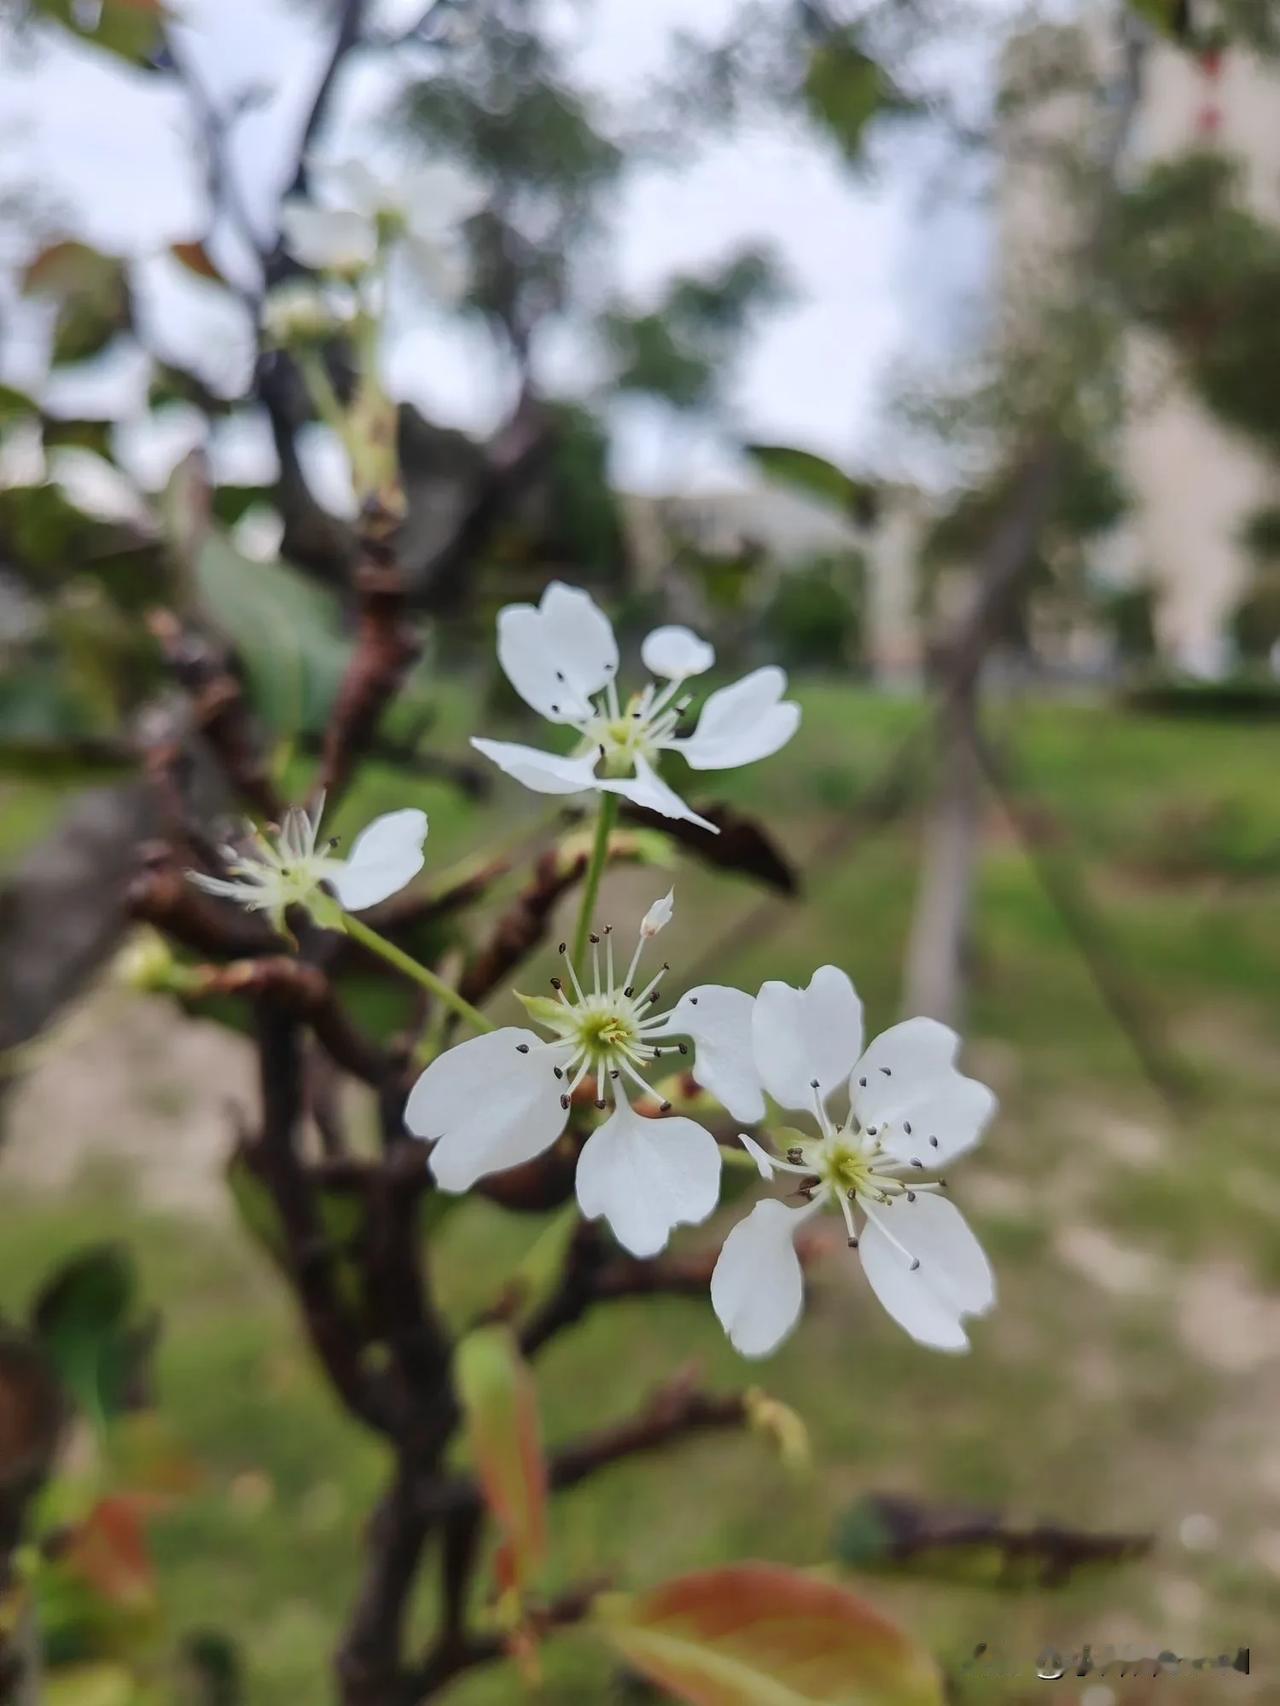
295,869
498,1100
417,216
303,312
909,1112
562,659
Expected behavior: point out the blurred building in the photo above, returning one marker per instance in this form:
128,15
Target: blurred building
1193,481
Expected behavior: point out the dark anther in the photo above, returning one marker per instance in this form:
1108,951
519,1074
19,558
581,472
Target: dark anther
556,983
916,1163
933,1143
795,1156
608,929
563,948
629,990
559,1071
853,1243
906,1126
564,1101
813,1084
862,1083
872,1130
915,1263
664,1107
594,940
683,1047
522,1048
615,1074
911,1196
666,965
559,675
555,708
600,1102
693,1001
886,1071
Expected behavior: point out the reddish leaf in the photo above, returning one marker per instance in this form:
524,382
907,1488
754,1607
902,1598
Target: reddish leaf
501,1412
109,1550
763,1635
195,258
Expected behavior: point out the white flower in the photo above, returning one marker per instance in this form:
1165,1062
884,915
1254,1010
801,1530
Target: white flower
417,215
300,311
561,658
498,1100
271,876
910,1111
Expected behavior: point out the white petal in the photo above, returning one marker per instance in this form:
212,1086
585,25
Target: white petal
954,1278
798,1035
439,197
646,788
437,267
327,238
383,858
353,184
544,772
647,1177
487,1106
907,1079
757,1289
742,723
718,1019
559,654
658,916
676,653
761,1157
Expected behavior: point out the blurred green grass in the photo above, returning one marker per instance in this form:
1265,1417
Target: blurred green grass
1095,1395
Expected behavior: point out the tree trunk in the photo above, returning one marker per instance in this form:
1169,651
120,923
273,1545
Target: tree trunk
939,942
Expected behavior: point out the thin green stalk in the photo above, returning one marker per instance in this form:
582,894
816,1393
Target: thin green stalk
409,966
595,870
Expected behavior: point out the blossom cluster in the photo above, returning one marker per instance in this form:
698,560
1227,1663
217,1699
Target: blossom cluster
882,1121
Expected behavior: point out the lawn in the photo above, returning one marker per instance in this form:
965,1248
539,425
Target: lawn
1129,1380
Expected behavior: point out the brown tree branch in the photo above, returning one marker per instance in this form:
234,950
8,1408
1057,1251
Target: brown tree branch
220,710
385,647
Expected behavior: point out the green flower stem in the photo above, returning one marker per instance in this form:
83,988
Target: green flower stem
595,870
409,966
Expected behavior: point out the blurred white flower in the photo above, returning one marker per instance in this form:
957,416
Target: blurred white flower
910,1111
417,216
499,1100
300,311
561,658
293,870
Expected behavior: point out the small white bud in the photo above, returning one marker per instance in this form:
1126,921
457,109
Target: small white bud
297,313
659,915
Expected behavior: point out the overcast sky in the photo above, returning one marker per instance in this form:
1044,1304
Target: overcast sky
879,267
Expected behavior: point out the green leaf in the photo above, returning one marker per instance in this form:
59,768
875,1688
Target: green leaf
844,89
897,1536
129,29
764,1635
15,405
92,293
84,1318
285,630
816,477
500,1411
538,1274
256,1207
